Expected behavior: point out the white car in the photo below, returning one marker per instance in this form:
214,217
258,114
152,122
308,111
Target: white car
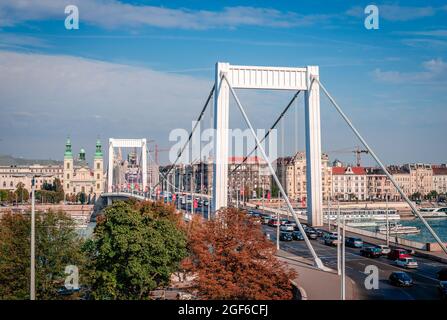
409,263
287,227
384,249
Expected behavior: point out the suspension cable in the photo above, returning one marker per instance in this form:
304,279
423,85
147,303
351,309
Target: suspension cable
164,176
268,132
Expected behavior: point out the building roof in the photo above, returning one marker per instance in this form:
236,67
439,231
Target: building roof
249,160
343,170
439,171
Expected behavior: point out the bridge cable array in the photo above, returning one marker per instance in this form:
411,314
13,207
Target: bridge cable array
164,176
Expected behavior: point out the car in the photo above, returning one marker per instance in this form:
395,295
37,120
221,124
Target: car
265,219
285,236
273,223
319,232
442,288
286,227
354,242
331,240
409,263
371,252
284,220
401,279
398,254
384,249
442,274
311,233
297,235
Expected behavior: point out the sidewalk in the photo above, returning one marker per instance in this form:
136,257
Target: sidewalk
317,284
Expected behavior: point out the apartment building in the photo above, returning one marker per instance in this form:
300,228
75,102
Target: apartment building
349,183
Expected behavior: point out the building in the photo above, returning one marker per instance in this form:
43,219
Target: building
349,183
291,173
249,178
378,185
402,177
421,178
440,178
11,176
78,177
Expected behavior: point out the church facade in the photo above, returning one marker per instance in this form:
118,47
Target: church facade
79,177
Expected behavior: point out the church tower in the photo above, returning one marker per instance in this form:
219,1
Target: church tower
68,167
98,169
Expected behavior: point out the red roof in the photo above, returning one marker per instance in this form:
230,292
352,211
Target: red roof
249,160
342,170
438,171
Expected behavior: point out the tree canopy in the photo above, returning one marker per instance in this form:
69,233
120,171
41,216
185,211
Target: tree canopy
136,248
57,245
232,259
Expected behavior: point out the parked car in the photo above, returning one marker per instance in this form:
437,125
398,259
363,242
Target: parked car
284,220
319,232
285,236
371,252
398,254
273,223
442,287
384,249
286,227
409,263
354,242
265,219
331,240
297,236
401,279
442,274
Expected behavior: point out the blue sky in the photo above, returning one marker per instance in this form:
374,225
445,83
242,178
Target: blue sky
140,68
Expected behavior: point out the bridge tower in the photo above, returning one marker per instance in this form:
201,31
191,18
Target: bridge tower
271,78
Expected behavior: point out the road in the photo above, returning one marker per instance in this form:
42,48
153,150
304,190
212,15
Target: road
425,281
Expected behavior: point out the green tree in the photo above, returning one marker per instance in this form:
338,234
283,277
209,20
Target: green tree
275,190
21,193
135,249
81,197
4,195
57,245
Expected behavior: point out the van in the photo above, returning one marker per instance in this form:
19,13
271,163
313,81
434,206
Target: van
396,254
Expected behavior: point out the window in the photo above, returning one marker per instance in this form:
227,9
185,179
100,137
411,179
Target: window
98,176
68,165
68,176
97,186
98,165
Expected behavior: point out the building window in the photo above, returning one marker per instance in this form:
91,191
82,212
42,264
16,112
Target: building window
97,186
68,176
68,186
98,165
68,165
98,176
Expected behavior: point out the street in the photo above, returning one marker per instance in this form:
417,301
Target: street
425,280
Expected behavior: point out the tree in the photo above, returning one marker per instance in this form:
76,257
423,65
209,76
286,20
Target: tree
57,245
432,195
81,197
416,196
275,189
232,259
135,249
21,193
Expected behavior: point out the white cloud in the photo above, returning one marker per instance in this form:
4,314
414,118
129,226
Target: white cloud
396,12
433,70
114,14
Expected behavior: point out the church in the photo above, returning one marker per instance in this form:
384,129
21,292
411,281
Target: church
78,177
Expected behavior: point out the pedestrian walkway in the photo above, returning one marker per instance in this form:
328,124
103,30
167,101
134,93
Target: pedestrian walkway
317,284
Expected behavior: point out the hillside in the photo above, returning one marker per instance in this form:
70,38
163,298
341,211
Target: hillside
7,160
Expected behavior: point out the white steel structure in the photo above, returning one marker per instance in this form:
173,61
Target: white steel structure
127,143
271,78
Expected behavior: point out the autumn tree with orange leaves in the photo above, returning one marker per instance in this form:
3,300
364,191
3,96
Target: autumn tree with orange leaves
231,258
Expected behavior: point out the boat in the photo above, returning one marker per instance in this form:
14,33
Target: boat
433,212
363,215
397,228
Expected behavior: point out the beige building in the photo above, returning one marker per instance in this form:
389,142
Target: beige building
378,184
291,173
79,177
11,176
349,183
249,176
402,176
440,178
421,178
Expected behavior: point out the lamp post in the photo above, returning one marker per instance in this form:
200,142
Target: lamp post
33,238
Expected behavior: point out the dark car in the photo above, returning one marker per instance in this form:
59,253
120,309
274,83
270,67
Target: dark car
354,242
311,233
319,232
442,274
297,236
442,287
401,279
371,252
285,236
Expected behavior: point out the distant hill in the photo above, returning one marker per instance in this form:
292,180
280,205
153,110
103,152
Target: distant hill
7,160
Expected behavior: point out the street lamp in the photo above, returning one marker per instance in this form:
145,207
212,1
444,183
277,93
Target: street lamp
33,238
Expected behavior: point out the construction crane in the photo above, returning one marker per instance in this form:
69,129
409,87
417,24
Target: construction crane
357,152
156,152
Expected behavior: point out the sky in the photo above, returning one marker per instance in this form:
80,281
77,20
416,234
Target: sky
139,69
